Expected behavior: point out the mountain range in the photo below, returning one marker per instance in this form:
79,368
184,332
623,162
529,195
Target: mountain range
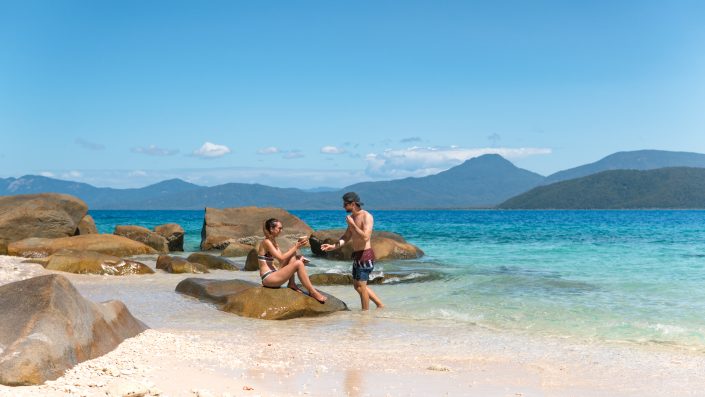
481,182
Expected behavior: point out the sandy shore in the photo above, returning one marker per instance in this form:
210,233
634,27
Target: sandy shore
366,354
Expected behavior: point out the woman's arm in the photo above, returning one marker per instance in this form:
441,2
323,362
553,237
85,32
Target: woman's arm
278,255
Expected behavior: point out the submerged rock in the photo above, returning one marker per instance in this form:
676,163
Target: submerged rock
387,278
248,299
48,327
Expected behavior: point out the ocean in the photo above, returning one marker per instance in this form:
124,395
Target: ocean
632,277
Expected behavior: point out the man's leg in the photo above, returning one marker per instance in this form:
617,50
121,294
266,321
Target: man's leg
373,297
361,288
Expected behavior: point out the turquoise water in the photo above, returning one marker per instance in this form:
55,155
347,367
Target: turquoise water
617,276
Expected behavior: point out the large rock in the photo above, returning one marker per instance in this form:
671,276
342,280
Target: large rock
244,225
104,243
211,261
89,262
144,236
236,249
177,264
48,327
86,226
252,300
47,215
3,246
251,263
386,245
174,235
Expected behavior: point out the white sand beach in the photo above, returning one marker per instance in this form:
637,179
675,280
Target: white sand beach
349,354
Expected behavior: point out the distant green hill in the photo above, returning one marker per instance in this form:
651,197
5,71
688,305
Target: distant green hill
677,188
634,160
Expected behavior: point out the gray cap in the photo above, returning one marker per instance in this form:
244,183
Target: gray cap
352,197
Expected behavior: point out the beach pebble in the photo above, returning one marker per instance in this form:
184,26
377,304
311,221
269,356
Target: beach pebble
127,388
202,393
438,367
111,370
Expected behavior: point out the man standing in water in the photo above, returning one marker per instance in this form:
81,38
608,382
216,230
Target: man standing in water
359,231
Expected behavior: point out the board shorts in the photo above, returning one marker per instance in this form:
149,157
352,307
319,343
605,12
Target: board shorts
363,264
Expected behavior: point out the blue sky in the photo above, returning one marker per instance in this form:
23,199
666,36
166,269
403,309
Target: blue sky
329,93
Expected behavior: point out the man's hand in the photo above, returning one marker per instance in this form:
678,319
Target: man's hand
327,247
349,219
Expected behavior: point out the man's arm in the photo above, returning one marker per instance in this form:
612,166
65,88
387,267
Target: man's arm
341,241
366,232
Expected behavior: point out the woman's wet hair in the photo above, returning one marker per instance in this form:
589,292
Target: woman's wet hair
269,225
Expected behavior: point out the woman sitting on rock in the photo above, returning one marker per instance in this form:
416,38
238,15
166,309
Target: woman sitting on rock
289,262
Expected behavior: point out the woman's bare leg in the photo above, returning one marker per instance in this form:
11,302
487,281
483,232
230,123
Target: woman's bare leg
303,277
287,271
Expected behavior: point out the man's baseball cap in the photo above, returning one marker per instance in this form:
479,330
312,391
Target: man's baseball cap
352,197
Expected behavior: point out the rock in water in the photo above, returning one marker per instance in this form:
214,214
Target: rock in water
386,245
174,234
144,236
48,327
222,227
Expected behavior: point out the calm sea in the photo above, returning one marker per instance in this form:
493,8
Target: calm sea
623,276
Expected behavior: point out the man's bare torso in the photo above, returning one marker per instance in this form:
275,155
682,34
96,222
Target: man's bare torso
361,220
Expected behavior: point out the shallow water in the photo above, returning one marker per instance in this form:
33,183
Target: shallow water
621,276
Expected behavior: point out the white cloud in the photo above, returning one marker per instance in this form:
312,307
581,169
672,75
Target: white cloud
47,174
418,162
72,174
268,150
332,150
153,150
211,150
137,173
